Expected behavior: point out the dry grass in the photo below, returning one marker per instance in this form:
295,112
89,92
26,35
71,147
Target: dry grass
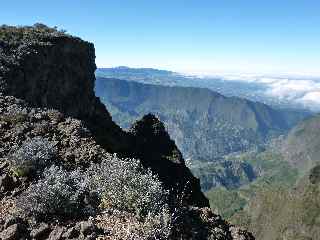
126,226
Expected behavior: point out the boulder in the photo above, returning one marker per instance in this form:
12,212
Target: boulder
6,183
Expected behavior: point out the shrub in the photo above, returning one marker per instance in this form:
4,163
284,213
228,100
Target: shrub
32,156
14,118
28,34
58,194
117,184
126,226
124,185
314,176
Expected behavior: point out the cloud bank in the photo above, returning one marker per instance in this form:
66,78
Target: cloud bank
298,91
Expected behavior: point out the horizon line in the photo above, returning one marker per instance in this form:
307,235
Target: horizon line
222,73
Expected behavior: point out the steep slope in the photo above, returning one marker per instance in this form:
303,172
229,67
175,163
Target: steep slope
23,128
57,71
204,124
302,145
282,213
271,171
227,174
284,202
64,201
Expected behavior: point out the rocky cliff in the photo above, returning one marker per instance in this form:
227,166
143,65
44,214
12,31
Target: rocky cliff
57,71
50,70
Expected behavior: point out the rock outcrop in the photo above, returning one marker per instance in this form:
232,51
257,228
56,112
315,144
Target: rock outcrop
152,144
53,74
55,70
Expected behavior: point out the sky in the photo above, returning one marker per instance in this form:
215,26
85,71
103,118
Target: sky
192,36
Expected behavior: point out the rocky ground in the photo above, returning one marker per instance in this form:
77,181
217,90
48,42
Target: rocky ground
59,175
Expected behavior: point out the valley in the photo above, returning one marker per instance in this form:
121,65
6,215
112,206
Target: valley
246,154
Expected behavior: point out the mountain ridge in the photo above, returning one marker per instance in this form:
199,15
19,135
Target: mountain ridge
245,121
258,88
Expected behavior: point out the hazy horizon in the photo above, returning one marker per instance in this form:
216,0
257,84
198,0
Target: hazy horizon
298,89
214,73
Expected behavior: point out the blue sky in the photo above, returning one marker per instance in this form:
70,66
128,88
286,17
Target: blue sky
192,36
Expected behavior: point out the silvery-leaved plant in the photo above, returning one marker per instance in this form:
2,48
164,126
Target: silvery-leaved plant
125,185
58,194
33,155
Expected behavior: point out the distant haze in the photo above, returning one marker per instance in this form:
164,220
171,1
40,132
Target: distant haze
300,90
292,91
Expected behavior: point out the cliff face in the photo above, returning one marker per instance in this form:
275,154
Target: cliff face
152,144
52,70
57,71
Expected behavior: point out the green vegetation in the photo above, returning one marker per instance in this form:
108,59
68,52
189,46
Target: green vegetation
225,173
272,173
271,168
283,213
225,202
15,118
301,147
283,202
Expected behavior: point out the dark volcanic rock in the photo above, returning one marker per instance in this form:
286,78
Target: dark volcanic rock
57,71
6,183
152,144
201,223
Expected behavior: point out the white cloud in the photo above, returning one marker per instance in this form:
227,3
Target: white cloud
297,90
290,89
312,99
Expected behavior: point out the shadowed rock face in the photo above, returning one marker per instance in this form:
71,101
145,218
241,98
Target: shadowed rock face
153,145
58,72
58,75
55,70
